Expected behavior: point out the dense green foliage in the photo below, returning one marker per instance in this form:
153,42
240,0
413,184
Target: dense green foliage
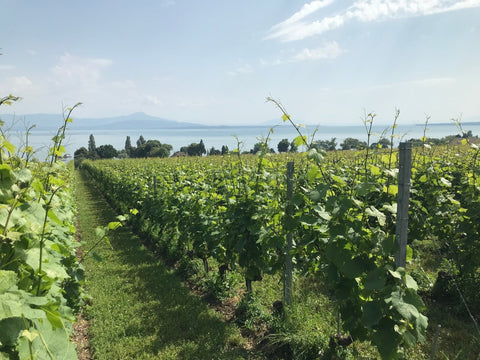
140,308
232,209
40,277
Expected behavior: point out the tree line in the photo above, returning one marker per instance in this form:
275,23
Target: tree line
154,148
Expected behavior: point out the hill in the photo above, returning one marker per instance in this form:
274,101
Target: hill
137,120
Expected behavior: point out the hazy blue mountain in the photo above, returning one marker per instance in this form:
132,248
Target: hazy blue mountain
133,121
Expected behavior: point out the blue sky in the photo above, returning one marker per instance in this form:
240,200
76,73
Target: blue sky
214,62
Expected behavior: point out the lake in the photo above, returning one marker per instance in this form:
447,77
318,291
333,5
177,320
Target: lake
217,136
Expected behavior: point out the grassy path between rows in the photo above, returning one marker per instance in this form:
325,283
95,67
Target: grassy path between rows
140,309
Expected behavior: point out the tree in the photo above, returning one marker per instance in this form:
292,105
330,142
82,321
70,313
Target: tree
79,155
159,151
92,149
152,148
224,149
201,148
141,141
122,154
283,145
326,145
214,151
467,134
257,148
194,149
107,151
383,143
128,146
293,147
353,144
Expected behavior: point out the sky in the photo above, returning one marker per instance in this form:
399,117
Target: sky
329,62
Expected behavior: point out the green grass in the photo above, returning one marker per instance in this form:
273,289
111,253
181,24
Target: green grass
140,309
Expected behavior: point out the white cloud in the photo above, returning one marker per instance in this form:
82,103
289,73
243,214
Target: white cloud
17,85
294,29
329,51
80,72
306,10
152,100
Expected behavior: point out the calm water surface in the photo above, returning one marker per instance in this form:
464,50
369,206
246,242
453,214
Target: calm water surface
218,136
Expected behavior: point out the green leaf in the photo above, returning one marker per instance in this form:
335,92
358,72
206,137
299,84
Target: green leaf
411,296
52,216
54,270
372,313
100,232
317,156
52,344
353,268
375,170
421,327
320,211
8,279
114,225
406,310
386,339
395,274
10,306
300,140
409,253
312,173
297,199
30,335
374,212
8,146
390,208
392,189
54,317
365,188
340,181
23,175
445,182
307,219
38,186
10,330
410,283
423,178
375,279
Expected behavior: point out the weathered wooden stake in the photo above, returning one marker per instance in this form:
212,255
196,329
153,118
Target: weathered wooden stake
435,342
287,282
404,175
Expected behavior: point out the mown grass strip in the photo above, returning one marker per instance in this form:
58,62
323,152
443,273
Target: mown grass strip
139,307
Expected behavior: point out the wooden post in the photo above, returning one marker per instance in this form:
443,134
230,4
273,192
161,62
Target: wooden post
287,280
404,175
435,342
